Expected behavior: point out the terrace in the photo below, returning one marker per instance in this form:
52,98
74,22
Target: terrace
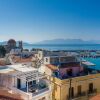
32,82
70,70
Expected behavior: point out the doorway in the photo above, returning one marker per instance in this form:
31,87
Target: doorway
79,90
18,83
91,88
71,92
69,72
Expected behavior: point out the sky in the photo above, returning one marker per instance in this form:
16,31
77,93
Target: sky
37,20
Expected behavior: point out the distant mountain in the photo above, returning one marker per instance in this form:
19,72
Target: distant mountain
58,41
68,41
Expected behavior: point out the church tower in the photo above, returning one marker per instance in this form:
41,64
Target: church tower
21,45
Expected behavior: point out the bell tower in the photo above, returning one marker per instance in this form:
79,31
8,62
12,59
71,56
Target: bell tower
21,45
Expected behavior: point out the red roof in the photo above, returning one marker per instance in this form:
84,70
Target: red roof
97,97
2,63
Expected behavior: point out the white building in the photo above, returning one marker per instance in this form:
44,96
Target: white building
15,51
26,81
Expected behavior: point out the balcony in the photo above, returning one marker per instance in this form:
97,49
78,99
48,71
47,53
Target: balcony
83,95
77,96
93,92
35,87
40,91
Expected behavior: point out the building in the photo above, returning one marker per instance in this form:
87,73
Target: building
26,81
44,53
71,78
11,44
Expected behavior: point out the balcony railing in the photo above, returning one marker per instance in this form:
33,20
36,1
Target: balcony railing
83,94
75,97
93,92
80,94
40,91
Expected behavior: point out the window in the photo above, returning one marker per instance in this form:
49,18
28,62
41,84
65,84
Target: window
34,82
79,90
71,92
69,72
90,87
30,83
18,83
46,59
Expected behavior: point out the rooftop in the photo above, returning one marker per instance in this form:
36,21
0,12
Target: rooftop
5,70
6,94
22,67
18,59
11,41
2,63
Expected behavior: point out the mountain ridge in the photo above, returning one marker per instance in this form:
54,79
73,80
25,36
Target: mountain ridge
68,41
58,41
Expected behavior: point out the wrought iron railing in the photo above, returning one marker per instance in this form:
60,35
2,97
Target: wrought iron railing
91,92
82,94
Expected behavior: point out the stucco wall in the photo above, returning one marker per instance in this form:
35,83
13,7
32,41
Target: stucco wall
62,90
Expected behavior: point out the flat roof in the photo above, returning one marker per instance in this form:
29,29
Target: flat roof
28,76
5,70
22,67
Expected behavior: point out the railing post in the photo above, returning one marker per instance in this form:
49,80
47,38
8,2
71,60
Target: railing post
27,86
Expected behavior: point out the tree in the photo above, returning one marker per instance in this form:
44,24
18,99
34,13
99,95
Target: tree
2,51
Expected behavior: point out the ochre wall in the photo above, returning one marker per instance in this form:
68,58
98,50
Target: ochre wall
61,87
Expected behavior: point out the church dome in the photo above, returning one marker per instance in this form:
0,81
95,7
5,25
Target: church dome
11,41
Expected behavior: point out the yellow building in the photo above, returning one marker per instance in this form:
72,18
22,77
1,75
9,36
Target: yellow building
81,87
71,80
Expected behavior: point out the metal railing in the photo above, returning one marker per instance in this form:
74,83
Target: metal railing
83,94
94,91
40,91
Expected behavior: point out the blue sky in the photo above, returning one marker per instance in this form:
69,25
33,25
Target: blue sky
36,20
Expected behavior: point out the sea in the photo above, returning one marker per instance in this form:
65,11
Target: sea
96,61
64,47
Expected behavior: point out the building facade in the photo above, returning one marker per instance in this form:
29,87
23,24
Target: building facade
11,44
70,79
26,81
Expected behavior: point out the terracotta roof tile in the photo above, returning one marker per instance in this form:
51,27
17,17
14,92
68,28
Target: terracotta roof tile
97,97
2,63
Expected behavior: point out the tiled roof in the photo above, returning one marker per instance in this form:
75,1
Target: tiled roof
2,63
52,67
17,59
97,97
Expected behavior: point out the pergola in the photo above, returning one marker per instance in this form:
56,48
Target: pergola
28,76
